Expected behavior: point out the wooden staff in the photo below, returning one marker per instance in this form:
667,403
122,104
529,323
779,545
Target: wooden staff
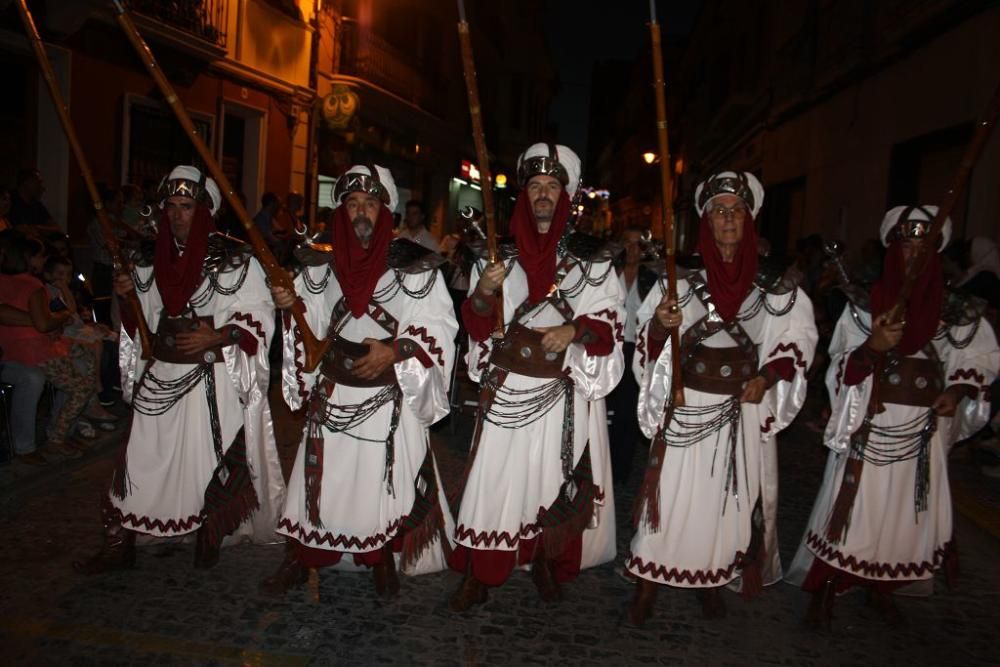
851,480
110,240
314,347
482,157
919,264
666,189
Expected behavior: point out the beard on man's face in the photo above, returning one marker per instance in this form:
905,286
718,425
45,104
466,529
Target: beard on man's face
543,212
363,228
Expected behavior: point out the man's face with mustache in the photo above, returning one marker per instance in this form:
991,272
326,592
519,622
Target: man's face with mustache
543,193
363,210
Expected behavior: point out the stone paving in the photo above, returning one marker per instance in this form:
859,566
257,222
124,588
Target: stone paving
165,613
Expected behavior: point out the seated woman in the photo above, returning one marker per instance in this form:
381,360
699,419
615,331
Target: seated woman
32,347
86,339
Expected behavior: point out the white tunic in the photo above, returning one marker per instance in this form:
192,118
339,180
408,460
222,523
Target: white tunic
357,511
707,487
518,471
887,538
171,456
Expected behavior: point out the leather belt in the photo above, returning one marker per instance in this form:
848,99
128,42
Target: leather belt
341,358
520,351
719,370
912,381
165,341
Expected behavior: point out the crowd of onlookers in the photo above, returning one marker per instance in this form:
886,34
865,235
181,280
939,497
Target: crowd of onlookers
50,331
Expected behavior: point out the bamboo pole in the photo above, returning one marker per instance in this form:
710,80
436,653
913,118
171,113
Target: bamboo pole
482,156
666,191
314,348
110,240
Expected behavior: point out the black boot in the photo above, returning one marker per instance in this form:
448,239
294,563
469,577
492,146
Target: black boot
641,607
883,602
290,574
384,574
469,593
206,554
543,574
117,552
712,604
819,616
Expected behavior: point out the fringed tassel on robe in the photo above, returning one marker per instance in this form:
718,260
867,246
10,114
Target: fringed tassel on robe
572,510
230,498
119,476
751,570
313,464
647,500
425,521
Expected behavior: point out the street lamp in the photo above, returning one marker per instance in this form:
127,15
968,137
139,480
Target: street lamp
649,157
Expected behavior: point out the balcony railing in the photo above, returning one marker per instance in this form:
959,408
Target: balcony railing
206,19
367,56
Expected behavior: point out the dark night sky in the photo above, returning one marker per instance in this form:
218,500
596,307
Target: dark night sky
582,32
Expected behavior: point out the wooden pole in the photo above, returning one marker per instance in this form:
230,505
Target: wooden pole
975,148
110,240
666,191
482,156
314,348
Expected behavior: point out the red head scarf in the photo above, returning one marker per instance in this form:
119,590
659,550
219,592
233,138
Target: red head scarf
358,269
537,252
178,275
729,282
926,298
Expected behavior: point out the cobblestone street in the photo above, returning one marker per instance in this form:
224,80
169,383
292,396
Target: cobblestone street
165,612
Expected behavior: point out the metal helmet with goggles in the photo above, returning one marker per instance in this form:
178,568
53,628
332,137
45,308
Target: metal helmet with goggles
370,180
912,222
545,159
188,181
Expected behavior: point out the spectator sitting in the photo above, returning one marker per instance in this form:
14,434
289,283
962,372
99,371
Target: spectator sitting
26,207
33,347
86,338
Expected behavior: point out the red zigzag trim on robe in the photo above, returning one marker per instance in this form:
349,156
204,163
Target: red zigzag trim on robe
766,426
340,542
484,356
493,538
248,318
967,374
640,348
176,526
619,328
873,570
789,347
428,340
702,577
298,361
840,371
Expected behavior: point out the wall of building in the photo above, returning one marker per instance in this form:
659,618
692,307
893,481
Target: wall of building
842,146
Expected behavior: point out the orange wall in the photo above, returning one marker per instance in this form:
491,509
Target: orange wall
105,70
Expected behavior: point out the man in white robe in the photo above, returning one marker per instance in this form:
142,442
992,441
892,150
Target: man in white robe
200,456
746,337
537,489
902,394
365,482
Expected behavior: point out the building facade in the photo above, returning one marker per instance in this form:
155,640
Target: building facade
843,109
282,90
